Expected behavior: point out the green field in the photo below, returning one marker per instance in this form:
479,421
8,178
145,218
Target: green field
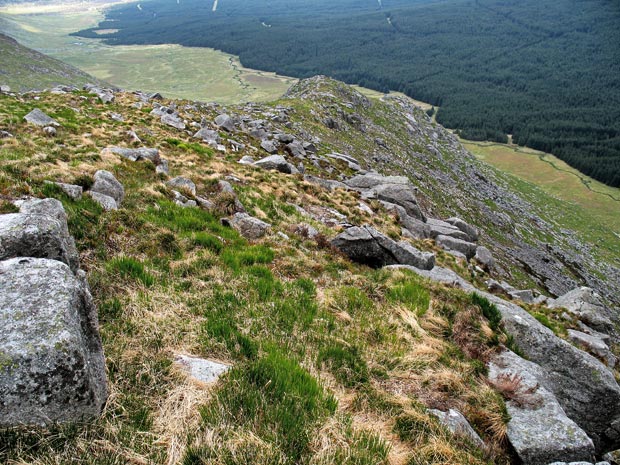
175,71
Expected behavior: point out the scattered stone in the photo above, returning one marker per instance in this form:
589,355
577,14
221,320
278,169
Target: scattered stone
142,153
163,167
246,160
202,370
484,257
370,180
305,231
5,135
539,429
173,120
285,138
117,117
4,89
269,146
40,231
526,296
350,161
275,162
295,149
588,307
442,228
248,226
593,345
52,368
368,246
225,122
106,202
106,184
457,424
49,131
133,138
450,243
38,118
74,192
328,184
182,201
208,135
182,183
468,229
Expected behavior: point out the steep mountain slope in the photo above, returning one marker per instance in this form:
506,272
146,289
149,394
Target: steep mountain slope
333,361
23,69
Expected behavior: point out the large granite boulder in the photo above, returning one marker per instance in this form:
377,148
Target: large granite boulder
468,229
225,122
400,194
106,184
442,228
368,246
275,162
39,230
539,429
249,227
370,180
51,360
458,245
588,307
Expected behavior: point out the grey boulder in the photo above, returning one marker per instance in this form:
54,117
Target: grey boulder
225,122
484,257
106,184
369,180
200,369
52,368
208,135
588,307
173,120
40,231
400,194
451,243
38,118
182,183
248,226
269,146
539,429
442,228
73,192
458,425
105,201
275,162
468,229
368,246
141,153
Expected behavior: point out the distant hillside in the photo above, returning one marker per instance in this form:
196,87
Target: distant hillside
546,73
25,69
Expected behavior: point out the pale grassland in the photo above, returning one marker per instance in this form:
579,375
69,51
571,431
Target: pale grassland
175,71
555,177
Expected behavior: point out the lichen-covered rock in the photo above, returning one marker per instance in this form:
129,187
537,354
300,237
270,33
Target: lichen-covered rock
38,118
451,243
593,345
269,146
458,425
106,184
539,429
368,246
370,180
51,360
468,229
183,184
39,231
202,370
275,162
248,226
588,307
105,201
442,228
74,192
225,122
484,257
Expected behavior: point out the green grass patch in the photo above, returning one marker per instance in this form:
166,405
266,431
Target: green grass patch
345,363
412,294
128,267
274,398
489,310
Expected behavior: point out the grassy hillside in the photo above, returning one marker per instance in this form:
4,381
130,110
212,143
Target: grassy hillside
333,362
26,69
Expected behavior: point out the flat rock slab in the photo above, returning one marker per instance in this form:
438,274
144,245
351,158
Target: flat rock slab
539,429
203,370
275,162
458,245
38,118
368,246
51,360
142,153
